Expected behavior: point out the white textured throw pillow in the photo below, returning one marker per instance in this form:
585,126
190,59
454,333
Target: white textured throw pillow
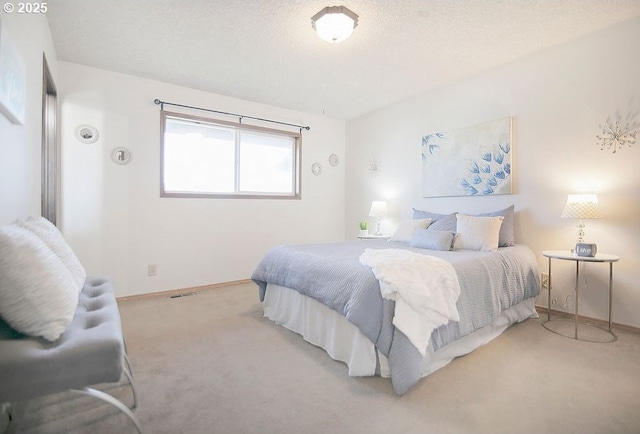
477,233
52,237
38,295
405,230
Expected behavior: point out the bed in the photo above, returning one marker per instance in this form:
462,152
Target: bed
328,295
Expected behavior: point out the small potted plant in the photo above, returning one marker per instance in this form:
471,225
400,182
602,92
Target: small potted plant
364,228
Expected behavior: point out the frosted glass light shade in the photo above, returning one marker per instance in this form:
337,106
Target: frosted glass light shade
378,209
582,206
334,23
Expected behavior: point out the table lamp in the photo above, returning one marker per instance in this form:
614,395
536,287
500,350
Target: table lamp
581,206
378,210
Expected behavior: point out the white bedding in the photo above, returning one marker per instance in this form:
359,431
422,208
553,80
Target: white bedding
425,290
344,342
331,273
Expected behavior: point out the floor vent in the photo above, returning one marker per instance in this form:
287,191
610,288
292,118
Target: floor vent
183,295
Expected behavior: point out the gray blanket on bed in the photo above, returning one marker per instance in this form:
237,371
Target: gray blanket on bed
331,273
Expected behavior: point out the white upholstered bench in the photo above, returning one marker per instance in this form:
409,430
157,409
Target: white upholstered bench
89,352
59,329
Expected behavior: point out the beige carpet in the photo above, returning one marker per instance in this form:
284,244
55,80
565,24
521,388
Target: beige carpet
210,363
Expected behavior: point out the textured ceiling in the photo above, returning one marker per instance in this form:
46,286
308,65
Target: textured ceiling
266,50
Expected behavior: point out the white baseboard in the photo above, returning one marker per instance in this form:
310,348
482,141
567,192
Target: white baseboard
600,322
172,292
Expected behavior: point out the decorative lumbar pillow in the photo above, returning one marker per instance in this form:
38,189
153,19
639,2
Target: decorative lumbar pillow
52,237
433,240
38,295
507,237
477,233
405,230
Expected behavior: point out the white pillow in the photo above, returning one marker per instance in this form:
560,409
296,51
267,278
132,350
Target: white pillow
38,295
52,237
405,230
477,233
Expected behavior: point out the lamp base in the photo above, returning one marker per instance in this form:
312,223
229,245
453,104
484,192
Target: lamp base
378,232
580,232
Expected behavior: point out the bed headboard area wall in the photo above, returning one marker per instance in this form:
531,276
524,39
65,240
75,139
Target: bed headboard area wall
556,152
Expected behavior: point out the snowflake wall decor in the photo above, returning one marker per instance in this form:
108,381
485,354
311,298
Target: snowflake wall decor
618,134
374,167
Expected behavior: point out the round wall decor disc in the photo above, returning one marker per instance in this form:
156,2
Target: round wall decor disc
121,155
87,134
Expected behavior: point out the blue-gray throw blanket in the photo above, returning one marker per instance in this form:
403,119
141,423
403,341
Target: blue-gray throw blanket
331,273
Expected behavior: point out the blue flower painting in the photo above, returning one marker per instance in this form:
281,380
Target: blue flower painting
469,161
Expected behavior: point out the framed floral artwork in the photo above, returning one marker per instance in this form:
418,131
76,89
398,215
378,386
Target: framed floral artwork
469,161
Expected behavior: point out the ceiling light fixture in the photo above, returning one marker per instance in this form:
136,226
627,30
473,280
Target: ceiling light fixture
334,23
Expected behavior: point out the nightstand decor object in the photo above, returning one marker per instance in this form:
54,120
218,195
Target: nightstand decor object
581,206
590,332
378,210
364,228
587,250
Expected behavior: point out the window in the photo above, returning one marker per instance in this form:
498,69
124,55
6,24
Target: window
203,157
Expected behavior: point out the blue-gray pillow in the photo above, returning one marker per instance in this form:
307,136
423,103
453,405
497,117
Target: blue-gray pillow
507,237
432,240
447,223
439,222
419,214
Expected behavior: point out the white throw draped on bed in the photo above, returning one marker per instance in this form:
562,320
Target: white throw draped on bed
425,289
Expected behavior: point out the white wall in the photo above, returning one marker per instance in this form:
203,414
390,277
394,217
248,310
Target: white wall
117,223
21,145
558,98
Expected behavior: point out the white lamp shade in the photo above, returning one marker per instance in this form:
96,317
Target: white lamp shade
378,209
582,206
335,23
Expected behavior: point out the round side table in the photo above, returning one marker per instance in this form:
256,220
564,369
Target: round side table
566,255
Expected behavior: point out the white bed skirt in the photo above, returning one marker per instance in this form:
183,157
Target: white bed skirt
344,342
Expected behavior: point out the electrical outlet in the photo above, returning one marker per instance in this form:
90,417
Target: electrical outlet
544,280
554,300
5,417
152,270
